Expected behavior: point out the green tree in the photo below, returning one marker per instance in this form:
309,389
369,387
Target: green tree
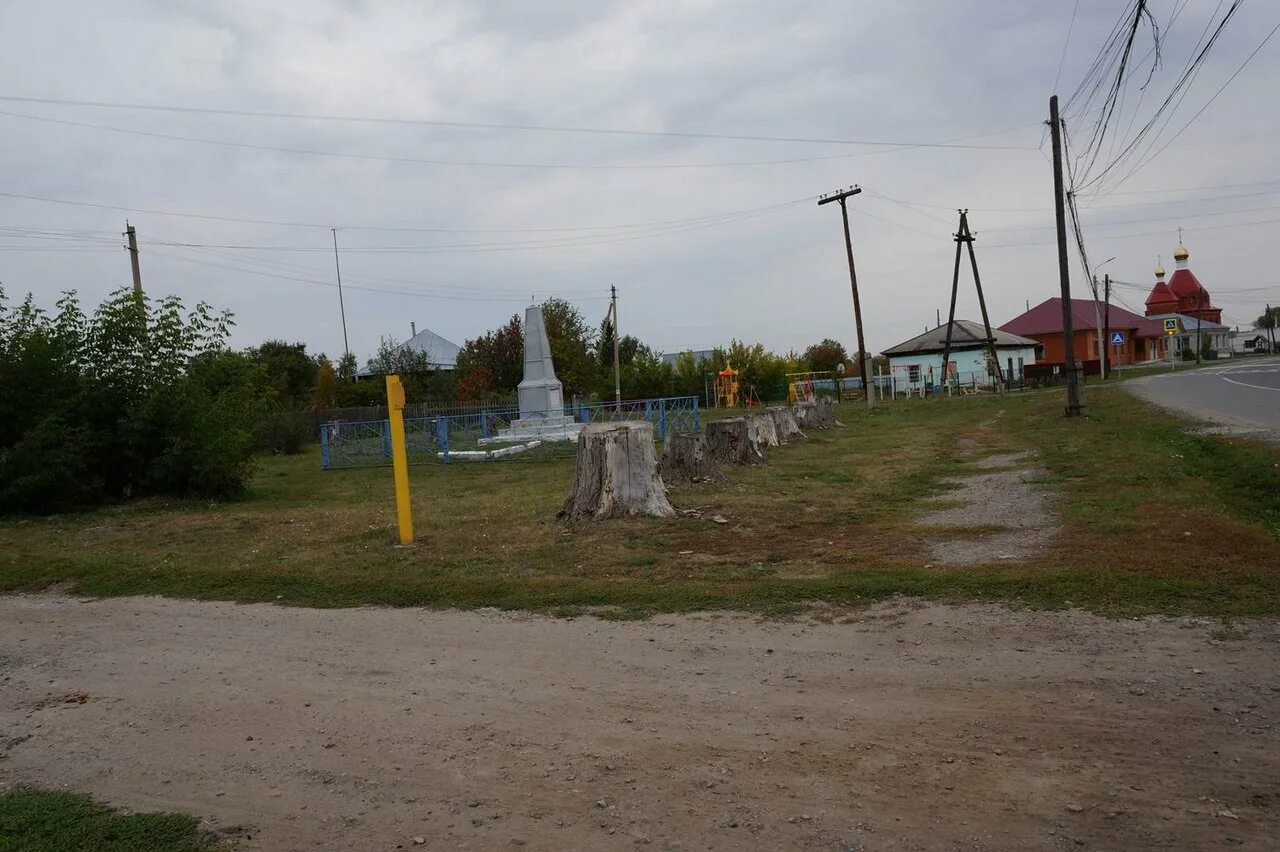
573,347
491,366
347,368
289,370
824,356
137,399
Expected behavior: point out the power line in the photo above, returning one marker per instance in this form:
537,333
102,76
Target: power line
1070,27
385,158
392,228
1142,234
544,128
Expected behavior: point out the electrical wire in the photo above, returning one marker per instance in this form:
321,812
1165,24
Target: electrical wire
364,119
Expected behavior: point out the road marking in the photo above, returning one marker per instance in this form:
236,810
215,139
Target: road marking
1247,385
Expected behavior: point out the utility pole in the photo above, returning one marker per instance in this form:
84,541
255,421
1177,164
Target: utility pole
346,349
853,283
1075,407
964,237
1106,324
1271,328
132,234
617,372
938,314
1199,320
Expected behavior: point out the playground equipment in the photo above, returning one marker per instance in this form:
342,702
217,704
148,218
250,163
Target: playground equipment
727,391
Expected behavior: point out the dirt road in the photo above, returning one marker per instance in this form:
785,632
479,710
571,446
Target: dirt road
904,726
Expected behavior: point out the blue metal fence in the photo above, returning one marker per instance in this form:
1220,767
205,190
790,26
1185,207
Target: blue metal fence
497,433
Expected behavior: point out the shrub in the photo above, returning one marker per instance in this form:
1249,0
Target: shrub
137,399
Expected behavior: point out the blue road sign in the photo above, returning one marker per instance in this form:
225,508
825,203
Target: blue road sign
1117,338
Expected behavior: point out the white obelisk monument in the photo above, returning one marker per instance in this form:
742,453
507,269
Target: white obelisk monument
541,393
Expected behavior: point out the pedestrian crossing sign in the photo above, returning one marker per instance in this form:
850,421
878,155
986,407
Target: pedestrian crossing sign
1171,326
1117,338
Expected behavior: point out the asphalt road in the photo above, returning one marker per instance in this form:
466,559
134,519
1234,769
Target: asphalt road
1243,393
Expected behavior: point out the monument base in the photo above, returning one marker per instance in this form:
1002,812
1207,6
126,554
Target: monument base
561,428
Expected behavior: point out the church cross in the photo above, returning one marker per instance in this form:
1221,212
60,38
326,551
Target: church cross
1179,235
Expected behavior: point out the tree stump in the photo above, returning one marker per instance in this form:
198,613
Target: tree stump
733,441
827,412
766,431
784,421
806,414
686,458
617,474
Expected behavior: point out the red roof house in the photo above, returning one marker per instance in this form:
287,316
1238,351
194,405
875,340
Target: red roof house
1140,338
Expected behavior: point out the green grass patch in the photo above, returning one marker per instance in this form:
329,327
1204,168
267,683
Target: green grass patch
1153,519
47,821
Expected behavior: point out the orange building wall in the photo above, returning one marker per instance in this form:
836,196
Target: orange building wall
1085,343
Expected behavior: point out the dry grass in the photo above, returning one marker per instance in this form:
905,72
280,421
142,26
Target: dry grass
1153,519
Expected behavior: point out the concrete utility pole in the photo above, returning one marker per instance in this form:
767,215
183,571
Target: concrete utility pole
1103,341
617,372
346,349
1106,324
132,234
1075,407
863,355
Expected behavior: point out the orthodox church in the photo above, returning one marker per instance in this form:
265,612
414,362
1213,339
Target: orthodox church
1183,295
1185,304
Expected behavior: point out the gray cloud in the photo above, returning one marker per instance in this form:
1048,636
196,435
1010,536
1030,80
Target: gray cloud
913,70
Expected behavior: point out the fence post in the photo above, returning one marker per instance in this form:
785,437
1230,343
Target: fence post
484,424
662,419
324,446
648,410
442,436
697,421
386,438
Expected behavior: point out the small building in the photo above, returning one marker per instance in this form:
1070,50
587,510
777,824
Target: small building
440,352
1192,332
1250,341
917,362
1131,338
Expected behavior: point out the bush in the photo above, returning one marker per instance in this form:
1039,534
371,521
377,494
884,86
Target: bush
135,400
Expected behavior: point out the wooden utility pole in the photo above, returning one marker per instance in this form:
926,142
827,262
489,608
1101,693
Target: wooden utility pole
617,372
1199,320
853,283
346,349
1106,325
964,237
1075,406
132,234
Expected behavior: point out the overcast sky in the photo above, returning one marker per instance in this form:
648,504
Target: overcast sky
893,70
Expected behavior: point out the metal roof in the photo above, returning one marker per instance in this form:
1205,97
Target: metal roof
965,334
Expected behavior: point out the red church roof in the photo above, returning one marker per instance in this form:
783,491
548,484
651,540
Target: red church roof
1185,285
1046,318
1161,295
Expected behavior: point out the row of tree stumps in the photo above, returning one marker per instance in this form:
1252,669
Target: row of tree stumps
618,473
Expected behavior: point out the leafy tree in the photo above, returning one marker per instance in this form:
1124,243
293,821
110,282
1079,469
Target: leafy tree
491,366
347,368
326,395
824,356
289,370
138,399
573,347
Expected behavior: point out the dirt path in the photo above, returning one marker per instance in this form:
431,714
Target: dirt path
904,726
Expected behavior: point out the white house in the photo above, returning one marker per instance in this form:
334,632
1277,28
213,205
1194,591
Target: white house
1192,329
917,363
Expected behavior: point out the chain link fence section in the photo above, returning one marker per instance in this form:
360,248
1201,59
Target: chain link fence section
496,433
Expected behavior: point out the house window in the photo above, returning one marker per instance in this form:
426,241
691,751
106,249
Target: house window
1019,368
913,374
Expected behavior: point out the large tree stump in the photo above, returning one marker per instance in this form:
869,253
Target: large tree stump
766,431
784,421
733,441
617,474
686,458
827,412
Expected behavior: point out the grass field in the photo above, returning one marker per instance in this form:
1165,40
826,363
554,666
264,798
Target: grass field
1154,519
47,821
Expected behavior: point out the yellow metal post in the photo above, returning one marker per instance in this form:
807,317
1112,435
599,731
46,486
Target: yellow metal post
399,458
